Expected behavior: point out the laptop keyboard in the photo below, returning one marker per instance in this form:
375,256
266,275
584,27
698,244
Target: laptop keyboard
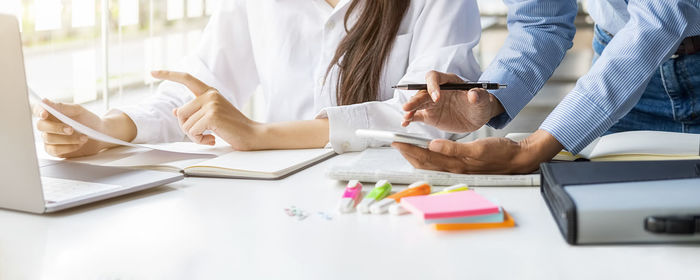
57,190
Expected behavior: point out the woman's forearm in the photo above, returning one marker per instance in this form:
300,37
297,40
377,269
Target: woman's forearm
293,135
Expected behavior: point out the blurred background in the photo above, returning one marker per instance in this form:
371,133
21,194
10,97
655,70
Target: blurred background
76,50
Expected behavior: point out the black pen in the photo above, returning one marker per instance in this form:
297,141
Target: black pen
464,86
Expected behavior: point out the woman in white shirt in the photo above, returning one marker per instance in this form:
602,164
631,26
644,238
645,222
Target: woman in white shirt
326,68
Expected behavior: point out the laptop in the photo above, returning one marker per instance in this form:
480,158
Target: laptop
30,185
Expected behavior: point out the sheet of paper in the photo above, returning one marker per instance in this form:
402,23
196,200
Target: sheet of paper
187,148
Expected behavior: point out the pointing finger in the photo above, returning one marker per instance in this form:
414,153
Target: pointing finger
193,84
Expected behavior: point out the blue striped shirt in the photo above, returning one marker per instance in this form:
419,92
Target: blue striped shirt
614,83
539,34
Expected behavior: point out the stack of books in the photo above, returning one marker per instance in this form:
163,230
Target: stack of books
458,211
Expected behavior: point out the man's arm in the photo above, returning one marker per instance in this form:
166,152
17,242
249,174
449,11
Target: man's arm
609,90
614,84
539,34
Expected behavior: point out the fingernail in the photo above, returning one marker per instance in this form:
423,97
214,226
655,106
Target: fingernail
68,130
83,138
434,96
44,114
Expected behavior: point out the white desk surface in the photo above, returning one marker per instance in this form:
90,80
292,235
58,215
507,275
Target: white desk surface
236,229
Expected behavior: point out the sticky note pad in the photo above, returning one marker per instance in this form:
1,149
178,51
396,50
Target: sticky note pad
478,219
507,222
452,205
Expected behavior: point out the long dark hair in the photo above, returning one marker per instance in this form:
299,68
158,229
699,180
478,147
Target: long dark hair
361,55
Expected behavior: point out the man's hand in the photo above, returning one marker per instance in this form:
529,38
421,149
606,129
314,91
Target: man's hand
453,111
484,156
210,111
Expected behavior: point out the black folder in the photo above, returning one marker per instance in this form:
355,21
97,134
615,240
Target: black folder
557,177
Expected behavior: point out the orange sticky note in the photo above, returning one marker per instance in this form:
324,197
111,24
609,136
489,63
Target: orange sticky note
507,222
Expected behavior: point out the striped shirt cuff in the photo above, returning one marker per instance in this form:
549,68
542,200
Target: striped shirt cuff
577,121
513,98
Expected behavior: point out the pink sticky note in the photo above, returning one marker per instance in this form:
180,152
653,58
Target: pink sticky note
451,205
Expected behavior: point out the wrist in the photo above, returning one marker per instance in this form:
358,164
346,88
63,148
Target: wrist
290,135
540,147
260,135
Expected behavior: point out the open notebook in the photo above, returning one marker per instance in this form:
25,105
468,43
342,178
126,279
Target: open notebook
635,145
218,161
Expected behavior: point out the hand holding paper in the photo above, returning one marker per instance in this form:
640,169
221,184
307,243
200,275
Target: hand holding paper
64,137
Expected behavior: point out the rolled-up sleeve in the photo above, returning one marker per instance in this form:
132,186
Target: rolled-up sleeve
225,47
539,34
617,80
444,35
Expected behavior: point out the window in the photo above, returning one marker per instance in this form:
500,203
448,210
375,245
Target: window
75,50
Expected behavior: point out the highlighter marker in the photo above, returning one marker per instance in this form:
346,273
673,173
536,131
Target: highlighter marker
453,188
381,190
417,188
397,209
352,194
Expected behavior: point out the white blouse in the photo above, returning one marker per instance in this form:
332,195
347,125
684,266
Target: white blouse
285,47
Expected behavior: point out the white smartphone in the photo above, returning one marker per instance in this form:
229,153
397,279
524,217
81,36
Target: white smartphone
391,136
